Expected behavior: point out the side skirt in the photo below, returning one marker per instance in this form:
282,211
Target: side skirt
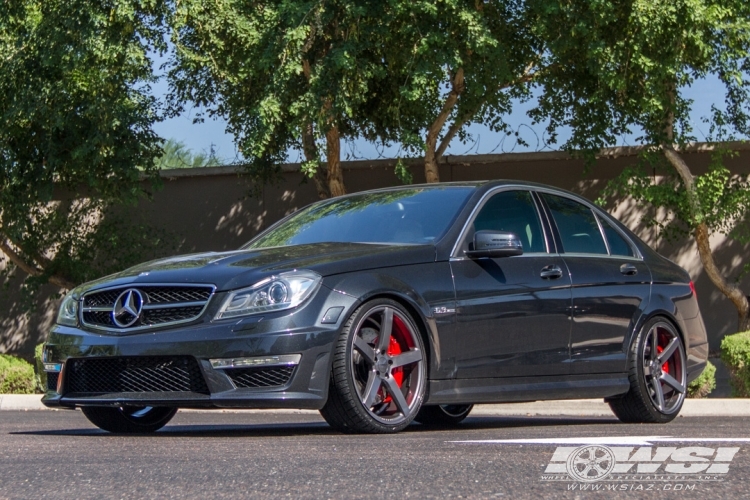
517,389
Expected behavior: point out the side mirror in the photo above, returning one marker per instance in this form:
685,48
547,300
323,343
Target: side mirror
495,244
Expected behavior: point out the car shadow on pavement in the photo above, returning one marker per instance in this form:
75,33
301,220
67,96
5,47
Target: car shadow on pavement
287,429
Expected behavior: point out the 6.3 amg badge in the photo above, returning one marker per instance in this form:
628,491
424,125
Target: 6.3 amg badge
128,307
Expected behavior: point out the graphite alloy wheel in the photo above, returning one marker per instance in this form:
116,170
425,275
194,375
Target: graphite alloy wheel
658,376
379,371
129,419
443,415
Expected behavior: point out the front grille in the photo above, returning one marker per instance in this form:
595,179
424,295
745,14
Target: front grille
102,318
52,380
134,374
261,377
160,305
170,315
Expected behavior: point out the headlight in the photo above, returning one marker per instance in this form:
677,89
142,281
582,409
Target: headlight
68,313
285,291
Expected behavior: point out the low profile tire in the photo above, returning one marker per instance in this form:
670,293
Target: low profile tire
129,419
443,415
379,372
658,376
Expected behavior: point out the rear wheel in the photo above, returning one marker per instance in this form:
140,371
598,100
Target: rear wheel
129,419
379,371
443,415
658,376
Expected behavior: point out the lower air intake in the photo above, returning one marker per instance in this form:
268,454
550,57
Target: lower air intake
261,377
135,374
52,380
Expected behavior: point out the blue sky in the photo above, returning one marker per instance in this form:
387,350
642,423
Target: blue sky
201,137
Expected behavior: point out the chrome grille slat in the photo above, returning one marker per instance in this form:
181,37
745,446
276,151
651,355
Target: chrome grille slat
163,305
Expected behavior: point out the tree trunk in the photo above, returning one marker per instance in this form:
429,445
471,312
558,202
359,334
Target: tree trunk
431,157
32,269
333,155
701,235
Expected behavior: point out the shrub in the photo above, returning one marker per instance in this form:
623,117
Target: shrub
735,352
16,376
41,375
703,385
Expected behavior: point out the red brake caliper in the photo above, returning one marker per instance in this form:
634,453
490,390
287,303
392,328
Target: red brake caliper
394,349
665,366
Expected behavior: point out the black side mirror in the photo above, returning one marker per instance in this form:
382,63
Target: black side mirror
495,244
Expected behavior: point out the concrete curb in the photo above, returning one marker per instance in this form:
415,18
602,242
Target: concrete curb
573,407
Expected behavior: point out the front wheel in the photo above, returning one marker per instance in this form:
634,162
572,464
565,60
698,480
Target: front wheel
379,371
129,419
658,376
443,415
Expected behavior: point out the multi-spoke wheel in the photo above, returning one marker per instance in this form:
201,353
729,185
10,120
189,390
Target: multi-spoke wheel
443,414
129,419
658,376
379,371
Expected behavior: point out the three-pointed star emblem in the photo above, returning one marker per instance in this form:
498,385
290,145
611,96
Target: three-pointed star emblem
128,307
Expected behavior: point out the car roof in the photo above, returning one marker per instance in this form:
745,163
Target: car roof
482,185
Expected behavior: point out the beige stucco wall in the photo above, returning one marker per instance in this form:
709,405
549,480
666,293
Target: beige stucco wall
209,209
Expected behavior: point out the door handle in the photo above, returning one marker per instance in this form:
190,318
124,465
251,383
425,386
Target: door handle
551,272
628,269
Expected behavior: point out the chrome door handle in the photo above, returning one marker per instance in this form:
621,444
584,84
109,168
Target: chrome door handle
551,273
628,269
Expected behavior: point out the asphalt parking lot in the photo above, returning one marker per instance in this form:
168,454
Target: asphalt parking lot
58,454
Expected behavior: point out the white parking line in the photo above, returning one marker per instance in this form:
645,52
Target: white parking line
613,440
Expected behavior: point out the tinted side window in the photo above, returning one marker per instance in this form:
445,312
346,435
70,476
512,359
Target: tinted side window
577,226
617,244
515,212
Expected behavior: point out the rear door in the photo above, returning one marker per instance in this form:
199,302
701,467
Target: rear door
611,284
512,312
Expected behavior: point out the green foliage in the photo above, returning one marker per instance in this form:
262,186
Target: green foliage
735,352
16,376
76,130
492,43
178,155
635,60
41,375
704,384
402,172
724,200
277,71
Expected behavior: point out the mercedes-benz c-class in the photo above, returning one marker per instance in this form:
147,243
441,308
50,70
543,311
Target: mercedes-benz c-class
385,307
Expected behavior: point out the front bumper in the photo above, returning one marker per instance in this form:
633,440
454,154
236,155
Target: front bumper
300,332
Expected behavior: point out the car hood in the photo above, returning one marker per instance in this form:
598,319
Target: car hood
236,269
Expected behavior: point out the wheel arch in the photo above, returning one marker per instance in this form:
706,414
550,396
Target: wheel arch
645,318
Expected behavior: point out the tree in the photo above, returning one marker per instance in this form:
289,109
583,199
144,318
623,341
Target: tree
457,62
634,61
75,131
284,74
178,155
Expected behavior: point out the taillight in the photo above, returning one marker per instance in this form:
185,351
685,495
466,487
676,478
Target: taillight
692,288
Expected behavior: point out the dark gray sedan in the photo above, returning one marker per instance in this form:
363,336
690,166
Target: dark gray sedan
385,307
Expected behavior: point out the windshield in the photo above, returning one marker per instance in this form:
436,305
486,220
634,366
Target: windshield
403,216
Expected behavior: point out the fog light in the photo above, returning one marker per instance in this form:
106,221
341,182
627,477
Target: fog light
281,360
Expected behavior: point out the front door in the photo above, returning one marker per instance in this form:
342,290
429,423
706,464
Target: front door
511,312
